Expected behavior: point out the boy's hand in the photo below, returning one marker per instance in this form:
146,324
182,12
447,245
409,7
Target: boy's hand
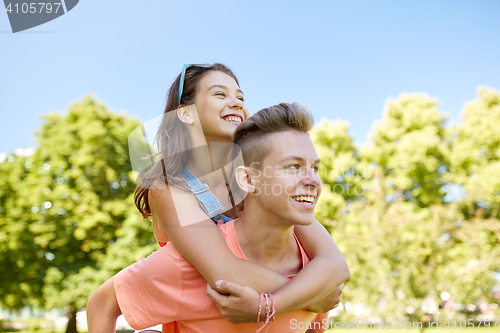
238,304
329,302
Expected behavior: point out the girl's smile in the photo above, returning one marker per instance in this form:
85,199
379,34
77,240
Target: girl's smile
233,118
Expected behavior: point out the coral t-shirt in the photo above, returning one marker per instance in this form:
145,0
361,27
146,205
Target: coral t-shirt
165,288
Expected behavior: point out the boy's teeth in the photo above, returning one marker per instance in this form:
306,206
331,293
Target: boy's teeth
303,198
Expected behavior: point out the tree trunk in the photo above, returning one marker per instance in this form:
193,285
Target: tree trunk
71,328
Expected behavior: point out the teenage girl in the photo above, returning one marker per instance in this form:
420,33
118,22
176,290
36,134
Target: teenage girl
209,97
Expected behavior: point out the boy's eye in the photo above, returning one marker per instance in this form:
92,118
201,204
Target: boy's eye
294,166
316,169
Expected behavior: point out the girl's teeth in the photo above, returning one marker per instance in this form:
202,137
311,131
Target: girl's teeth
233,119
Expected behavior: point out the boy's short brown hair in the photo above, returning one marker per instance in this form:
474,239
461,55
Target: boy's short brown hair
251,135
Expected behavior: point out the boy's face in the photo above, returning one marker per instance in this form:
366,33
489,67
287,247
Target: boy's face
288,186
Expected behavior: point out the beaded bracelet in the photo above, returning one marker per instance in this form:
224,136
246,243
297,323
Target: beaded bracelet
273,310
270,310
260,307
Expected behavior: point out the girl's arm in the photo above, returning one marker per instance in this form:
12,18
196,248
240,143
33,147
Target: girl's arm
326,271
203,245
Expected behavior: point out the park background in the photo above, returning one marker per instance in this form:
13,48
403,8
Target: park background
407,101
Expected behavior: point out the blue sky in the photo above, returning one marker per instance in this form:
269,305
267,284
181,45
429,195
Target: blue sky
343,59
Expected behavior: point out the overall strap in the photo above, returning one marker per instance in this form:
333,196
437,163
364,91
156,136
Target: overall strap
201,191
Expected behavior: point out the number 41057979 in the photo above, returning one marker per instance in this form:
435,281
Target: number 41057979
33,7
470,323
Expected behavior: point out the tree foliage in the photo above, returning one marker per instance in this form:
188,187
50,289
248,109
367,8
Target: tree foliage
340,171
408,145
403,241
21,265
70,207
475,154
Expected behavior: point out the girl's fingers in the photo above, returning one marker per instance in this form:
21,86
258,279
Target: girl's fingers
226,287
213,294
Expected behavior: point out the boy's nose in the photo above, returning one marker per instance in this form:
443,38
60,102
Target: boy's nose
311,178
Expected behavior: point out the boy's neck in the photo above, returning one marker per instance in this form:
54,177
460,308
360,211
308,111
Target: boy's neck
267,242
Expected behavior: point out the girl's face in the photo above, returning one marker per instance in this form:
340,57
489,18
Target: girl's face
220,107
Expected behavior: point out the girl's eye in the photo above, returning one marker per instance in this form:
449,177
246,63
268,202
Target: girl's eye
220,93
241,98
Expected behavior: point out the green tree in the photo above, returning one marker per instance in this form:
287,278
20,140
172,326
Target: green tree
475,154
21,265
409,145
402,242
76,198
400,254
339,170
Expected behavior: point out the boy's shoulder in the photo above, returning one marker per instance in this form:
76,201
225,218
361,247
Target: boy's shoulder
229,233
227,229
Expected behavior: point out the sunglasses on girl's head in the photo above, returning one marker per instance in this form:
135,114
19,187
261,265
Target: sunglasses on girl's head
181,83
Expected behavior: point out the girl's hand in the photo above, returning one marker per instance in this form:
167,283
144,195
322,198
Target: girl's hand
238,304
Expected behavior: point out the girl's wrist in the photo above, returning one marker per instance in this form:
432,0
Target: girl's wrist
266,311
283,303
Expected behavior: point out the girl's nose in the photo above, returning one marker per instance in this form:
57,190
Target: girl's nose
236,103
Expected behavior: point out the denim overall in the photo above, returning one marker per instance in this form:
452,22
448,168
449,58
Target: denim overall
208,202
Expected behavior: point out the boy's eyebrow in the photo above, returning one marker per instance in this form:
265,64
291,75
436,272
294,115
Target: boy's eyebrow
298,158
223,87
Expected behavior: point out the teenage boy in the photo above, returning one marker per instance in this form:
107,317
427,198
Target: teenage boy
282,185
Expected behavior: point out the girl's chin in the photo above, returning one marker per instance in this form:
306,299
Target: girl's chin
230,128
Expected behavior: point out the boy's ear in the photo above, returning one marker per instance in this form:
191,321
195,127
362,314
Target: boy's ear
185,114
244,179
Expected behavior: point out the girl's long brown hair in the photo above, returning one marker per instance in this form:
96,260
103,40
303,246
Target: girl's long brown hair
173,140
